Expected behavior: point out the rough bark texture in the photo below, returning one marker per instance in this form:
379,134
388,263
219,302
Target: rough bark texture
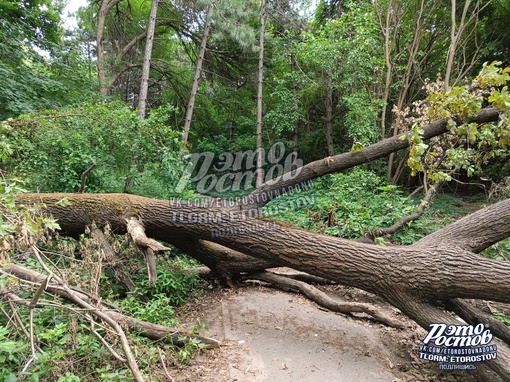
260,85
411,278
449,270
144,85
443,266
106,5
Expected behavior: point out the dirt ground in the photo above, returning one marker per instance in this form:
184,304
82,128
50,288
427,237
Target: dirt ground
275,336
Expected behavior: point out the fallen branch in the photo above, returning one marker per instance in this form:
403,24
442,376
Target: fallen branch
167,334
322,298
337,163
164,366
305,277
114,263
473,315
379,232
73,297
84,177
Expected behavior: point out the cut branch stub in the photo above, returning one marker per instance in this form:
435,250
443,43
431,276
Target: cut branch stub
146,245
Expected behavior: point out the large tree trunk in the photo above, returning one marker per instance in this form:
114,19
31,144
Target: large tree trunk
441,269
445,259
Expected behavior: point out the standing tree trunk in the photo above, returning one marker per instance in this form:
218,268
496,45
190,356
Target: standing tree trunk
406,81
329,114
260,82
198,72
385,29
106,5
296,124
456,33
144,85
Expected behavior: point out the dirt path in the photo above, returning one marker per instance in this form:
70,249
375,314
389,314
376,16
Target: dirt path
279,337
290,340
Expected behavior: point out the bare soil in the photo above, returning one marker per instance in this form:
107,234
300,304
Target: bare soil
275,336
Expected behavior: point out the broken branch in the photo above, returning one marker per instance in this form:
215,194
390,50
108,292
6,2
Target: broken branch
322,298
146,245
84,177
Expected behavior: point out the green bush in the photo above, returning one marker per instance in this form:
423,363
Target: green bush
350,204
347,204
52,149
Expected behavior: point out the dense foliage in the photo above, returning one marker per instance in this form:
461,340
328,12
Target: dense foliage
337,77
51,150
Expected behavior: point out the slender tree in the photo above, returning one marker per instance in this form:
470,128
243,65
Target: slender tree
463,31
198,72
106,6
260,82
144,86
329,113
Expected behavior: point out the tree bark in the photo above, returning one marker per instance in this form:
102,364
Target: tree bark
442,258
329,114
260,83
295,135
412,278
443,266
106,5
313,170
144,85
198,72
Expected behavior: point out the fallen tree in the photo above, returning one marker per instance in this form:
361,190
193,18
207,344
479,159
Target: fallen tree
441,270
